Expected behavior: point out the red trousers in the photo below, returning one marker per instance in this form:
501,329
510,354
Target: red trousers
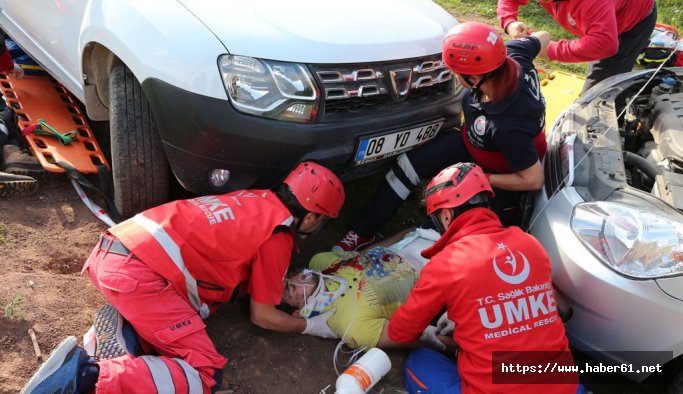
186,359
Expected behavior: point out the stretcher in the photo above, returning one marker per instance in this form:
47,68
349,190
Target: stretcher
38,97
66,142
560,90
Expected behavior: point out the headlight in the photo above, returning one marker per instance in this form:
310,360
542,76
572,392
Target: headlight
276,90
631,241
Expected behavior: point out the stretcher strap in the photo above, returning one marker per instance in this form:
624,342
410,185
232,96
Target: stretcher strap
44,128
78,180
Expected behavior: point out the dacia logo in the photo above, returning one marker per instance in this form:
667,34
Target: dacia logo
400,82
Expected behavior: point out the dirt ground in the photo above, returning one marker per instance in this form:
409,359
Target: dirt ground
44,241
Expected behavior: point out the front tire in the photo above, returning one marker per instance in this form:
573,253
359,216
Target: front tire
140,168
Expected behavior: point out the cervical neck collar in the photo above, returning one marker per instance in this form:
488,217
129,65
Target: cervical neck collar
316,303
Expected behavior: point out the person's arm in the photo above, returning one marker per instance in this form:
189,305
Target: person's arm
269,317
525,180
433,340
597,20
424,302
386,343
507,12
269,266
544,38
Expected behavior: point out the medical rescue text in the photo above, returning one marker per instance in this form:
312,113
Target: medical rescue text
518,310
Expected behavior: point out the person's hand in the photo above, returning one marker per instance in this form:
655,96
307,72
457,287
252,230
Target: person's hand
517,29
18,71
317,326
429,337
444,325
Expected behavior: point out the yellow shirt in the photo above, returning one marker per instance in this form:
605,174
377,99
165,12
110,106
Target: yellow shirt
379,282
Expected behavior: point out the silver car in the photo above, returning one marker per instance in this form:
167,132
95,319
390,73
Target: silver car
610,218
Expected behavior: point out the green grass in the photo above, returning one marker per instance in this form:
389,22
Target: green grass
14,308
359,192
669,12
3,235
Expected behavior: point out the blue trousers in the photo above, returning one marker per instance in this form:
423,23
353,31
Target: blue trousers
428,371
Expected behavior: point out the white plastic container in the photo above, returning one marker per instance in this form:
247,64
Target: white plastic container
362,375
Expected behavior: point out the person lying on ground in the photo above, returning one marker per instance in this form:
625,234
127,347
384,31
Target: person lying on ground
363,290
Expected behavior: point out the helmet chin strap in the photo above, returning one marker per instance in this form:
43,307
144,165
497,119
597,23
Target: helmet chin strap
469,81
297,228
438,225
475,86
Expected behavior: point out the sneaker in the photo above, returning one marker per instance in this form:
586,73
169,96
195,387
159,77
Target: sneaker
12,183
114,336
18,161
60,372
352,241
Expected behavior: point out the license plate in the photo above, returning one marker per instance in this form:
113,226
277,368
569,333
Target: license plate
375,148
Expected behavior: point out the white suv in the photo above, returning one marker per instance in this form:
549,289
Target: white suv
233,94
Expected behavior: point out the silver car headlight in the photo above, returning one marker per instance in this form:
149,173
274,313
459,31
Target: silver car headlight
634,242
277,90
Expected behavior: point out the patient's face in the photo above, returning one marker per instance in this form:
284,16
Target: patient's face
296,291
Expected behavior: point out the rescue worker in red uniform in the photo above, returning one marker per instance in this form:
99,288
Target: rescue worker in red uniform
495,284
504,113
612,33
169,267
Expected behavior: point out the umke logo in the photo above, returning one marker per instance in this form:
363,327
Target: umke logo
516,275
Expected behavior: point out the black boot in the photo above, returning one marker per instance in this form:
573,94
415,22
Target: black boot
12,183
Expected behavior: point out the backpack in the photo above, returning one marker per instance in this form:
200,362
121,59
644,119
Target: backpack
663,40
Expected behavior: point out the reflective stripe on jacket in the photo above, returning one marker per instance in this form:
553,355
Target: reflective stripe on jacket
204,246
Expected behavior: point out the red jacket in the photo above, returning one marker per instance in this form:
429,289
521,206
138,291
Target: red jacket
6,62
215,239
598,25
495,283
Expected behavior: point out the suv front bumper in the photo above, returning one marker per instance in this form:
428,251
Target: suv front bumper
202,133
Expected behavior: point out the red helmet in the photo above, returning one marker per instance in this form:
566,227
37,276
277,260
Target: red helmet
316,188
473,48
455,185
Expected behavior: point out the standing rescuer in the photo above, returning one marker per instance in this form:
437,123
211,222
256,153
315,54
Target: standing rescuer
612,33
168,267
475,261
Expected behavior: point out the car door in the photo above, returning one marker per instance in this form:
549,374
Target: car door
49,31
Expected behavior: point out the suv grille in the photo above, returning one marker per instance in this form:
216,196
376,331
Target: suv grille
359,90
